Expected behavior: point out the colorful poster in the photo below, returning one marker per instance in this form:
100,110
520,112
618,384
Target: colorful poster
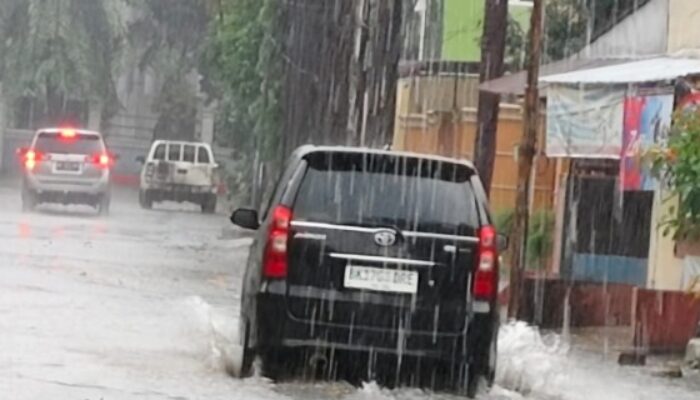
691,102
584,122
647,122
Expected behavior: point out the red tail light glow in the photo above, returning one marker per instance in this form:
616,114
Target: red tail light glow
486,275
31,158
275,259
102,160
67,133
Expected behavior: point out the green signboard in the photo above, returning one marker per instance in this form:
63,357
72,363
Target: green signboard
463,27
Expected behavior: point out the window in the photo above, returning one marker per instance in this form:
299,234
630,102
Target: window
53,143
203,155
188,153
159,153
174,151
378,190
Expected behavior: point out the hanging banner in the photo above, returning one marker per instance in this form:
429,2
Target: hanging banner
647,123
584,122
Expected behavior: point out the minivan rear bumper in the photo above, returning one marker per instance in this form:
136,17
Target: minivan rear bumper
278,328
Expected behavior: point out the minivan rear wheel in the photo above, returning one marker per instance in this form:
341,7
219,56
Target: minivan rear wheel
243,367
279,363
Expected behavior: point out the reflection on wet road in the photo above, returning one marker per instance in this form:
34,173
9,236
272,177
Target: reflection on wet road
143,305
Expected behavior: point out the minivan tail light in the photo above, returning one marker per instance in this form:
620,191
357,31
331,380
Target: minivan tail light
275,264
486,274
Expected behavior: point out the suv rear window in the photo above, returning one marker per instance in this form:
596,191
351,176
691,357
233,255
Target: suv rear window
385,190
54,143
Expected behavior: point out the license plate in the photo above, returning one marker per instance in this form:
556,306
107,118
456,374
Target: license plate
381,280
67,166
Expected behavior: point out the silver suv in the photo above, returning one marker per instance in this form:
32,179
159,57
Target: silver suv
66,166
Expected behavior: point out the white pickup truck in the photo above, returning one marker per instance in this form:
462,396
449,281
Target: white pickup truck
179,171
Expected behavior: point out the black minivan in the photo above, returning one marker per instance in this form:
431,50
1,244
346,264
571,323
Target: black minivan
373,253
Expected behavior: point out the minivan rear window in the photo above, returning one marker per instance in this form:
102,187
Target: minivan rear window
54,143
386,190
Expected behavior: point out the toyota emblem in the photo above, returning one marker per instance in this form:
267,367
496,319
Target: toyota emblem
385,238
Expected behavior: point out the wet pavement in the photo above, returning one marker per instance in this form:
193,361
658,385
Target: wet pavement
143,305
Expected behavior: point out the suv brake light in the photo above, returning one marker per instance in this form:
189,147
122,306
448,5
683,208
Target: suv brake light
67,133
486,275
31,158
275,259
102,160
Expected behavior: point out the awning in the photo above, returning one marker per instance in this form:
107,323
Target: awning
649,70
514,84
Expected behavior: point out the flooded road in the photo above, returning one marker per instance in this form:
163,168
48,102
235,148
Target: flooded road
143,305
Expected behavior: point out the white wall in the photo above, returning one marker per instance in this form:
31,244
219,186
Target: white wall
684,27
644,33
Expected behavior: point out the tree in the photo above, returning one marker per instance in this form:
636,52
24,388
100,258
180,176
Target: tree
678,165
169,41
340,71
514,59
566,23
55,51
243,68
565,33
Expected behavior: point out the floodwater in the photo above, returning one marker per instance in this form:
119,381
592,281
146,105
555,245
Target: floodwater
144,304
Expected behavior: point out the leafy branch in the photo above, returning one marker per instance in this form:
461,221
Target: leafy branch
678,165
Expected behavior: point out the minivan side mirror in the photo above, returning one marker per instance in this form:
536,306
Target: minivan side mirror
502,242
245,218
141,159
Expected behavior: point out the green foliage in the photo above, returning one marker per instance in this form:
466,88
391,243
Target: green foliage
565,27
61,49
678,164
515,46
244,67
566,22
504,220
176,106
170,40
540,240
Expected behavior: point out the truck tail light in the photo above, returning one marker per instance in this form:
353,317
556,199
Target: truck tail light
486,274
275,259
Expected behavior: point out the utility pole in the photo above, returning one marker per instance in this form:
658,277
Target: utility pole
526,154
493,44
422,9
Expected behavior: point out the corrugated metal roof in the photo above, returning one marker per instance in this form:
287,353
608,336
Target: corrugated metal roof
515,83
649,70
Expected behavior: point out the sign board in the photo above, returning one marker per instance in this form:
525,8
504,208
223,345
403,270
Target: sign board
584,122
